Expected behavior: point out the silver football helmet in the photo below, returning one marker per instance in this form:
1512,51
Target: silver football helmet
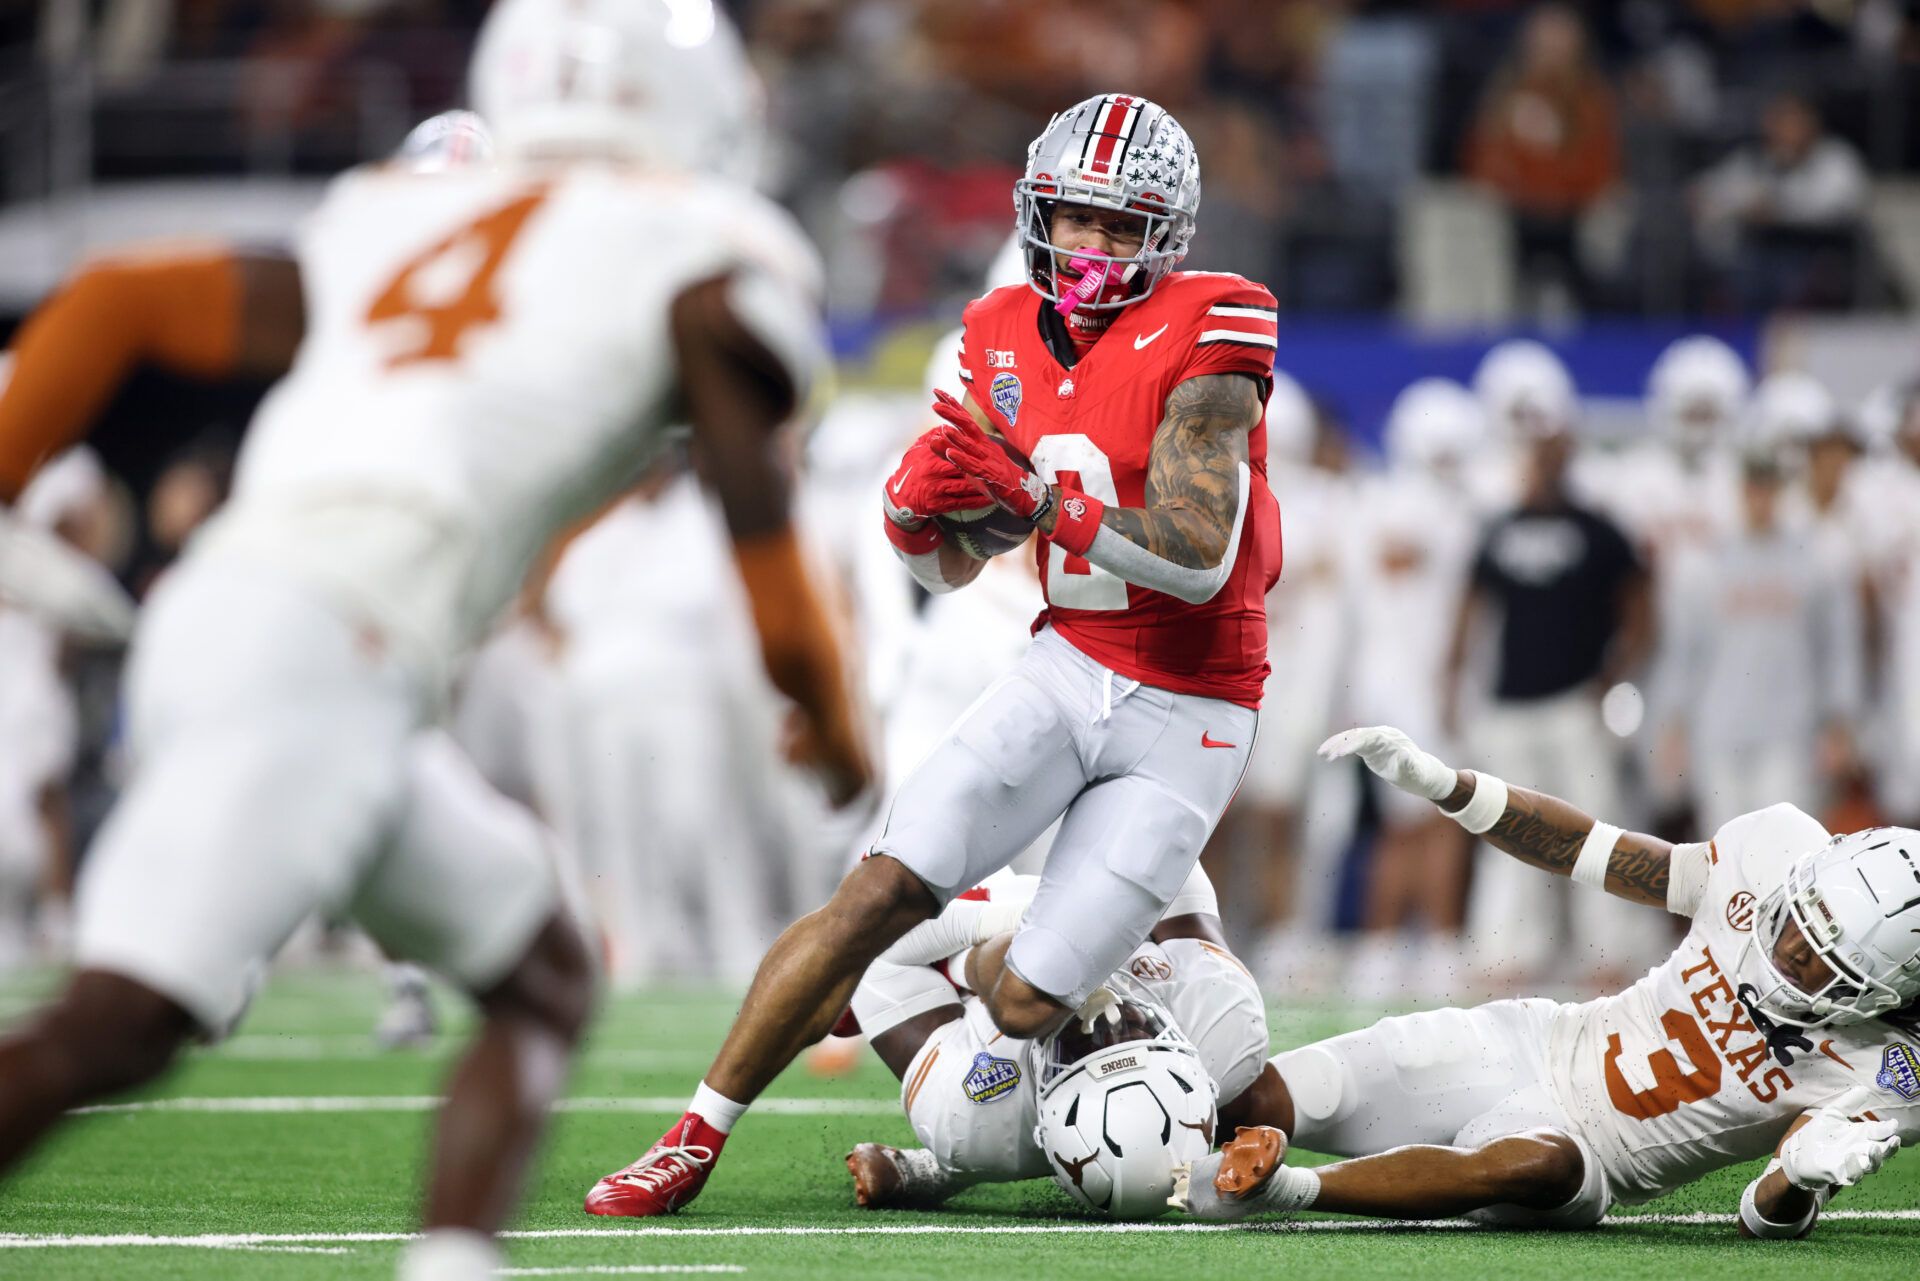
1115,151
1857,903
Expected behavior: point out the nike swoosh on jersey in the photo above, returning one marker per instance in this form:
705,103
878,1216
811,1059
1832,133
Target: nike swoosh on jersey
1141,340
1826,1048
1207,740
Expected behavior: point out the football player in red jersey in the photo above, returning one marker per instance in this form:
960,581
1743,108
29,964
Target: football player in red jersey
1139,394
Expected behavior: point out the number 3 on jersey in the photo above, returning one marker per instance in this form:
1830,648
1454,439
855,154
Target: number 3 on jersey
1672,1085
448,289
1073,583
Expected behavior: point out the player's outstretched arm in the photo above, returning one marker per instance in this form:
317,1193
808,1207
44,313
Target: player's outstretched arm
1534,827
738,394
1182,542
1826,1149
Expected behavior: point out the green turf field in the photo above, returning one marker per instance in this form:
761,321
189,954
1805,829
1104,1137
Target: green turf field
291,1152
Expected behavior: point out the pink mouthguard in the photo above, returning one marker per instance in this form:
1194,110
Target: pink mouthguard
1093,278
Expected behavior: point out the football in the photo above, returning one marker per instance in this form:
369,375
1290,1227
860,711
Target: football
990,530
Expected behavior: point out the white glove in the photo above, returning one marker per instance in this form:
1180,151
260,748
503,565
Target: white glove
1394,757
1833,1151
1102,1006
44,576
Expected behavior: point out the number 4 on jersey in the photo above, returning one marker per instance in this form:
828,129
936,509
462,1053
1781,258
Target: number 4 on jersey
448,289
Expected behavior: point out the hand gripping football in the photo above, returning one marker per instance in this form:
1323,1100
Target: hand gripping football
988,530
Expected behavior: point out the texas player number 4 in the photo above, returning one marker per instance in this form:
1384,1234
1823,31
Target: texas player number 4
1073,582
448,289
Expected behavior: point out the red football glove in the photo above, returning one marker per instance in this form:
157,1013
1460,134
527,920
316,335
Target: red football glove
923,485
963,444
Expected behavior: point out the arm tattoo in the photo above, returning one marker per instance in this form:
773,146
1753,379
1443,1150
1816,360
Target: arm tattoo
1547,833
1193,472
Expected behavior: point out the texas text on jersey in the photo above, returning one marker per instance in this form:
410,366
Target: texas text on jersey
1091,425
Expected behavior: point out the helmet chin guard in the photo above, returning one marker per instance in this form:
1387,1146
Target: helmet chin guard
1119,152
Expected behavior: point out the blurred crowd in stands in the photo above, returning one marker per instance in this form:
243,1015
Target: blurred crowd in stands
1684,157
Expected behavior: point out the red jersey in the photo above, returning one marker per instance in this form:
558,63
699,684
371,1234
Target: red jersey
1091,427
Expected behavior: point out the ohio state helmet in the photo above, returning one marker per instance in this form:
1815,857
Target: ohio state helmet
1114,151
1857,903
661,82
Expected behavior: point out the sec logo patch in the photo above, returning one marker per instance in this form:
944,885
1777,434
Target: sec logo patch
1740,912
1150,969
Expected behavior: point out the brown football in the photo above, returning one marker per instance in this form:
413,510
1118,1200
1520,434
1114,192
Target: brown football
989,530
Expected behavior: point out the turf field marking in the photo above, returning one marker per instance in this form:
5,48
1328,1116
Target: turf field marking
267,1047
618,1270
229,1241
280,1104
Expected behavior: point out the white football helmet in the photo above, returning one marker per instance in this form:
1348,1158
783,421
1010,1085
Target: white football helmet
1857,902
1525,390
664,83
1698,392
1117,151
1121,1105
1434,423
449,141
1291,422
1792,408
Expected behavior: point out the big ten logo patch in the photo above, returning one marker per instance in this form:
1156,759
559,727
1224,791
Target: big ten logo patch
1900,1071
991,1078
1740,912
997,359
1151,969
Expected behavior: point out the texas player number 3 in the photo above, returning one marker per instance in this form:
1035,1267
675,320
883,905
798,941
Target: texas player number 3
1073,582
447,289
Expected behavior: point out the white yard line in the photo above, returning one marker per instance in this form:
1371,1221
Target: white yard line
217,1241
661,1105
619,1270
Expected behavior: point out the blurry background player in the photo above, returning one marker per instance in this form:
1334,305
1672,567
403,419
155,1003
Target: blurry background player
972,1095
1406,546
393,494
1568,605
1782,1021
1135,707
1764,669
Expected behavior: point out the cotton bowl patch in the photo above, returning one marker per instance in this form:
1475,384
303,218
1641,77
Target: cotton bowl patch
991,1078
1006,396
1900,1071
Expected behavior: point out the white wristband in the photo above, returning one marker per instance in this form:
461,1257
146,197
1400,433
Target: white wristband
1595,853
1760,1225
1488,803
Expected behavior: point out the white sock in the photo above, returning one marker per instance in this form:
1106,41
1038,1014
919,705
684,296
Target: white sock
716,1109
1291,1188
450,1254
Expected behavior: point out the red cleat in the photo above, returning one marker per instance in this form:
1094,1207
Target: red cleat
671,1173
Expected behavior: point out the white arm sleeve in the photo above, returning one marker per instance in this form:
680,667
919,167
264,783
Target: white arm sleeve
1688,868
925,569
891,994
961,925
1142,568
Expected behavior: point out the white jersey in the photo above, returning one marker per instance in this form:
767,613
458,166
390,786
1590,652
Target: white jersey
1675,1077
488,359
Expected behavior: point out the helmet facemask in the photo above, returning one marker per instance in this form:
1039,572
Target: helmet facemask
1848,996
1116,152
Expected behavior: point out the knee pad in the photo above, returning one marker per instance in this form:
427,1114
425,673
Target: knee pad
1321,1086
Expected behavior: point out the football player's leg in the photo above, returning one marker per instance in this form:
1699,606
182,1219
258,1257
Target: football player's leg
1006,770
467,887
901,1009
266,746
1002,775
1123,851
